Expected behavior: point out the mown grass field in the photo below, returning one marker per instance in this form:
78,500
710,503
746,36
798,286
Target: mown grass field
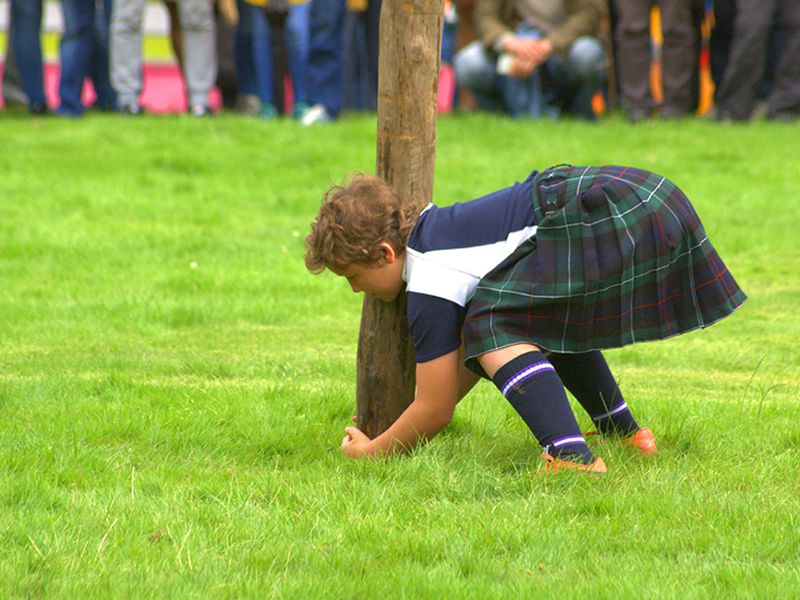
174,385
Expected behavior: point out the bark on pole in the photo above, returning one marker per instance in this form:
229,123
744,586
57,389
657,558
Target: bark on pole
408,78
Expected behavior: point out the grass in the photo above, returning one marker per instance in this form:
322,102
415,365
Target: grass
174,385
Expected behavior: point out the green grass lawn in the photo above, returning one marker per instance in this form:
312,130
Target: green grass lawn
174,385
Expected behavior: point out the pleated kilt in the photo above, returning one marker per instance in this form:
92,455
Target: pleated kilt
619,257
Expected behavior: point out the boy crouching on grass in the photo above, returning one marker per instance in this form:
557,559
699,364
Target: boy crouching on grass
525,287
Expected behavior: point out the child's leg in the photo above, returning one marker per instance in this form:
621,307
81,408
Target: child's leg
530,383
589,379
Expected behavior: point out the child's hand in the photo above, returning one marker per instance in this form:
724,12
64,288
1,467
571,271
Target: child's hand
355,444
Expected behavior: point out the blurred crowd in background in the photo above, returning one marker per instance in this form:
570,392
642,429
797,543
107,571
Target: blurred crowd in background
730,60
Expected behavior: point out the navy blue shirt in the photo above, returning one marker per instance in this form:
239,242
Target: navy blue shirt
448,252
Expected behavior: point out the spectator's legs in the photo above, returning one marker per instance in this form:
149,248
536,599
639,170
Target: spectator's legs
126,51
735,98
262,53
297,40
354,50
226,67
325,55
75,54
12,87
99,69
475,71
581,75
361,57
784,101
26,21
678,57
523,96
721,37
243,52
199,50
634,57
373,18
175,31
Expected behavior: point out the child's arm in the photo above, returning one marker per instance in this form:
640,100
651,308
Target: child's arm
441,383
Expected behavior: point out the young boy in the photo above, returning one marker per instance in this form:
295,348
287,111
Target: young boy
525,286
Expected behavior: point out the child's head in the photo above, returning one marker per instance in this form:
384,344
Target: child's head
355,222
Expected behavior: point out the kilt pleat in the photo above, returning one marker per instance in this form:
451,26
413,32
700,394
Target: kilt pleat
619,257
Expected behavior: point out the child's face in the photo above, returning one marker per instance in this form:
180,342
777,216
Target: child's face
384,280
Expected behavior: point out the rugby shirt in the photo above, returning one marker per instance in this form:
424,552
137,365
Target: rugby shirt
448,252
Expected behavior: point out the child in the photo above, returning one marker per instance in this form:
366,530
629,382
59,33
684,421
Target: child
525,287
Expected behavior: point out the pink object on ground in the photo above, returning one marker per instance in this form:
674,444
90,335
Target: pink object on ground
164,91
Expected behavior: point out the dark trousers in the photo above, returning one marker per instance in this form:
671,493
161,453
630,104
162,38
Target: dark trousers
26,22
361,57
678,54
748,58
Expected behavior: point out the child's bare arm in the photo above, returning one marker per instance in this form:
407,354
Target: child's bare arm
440,385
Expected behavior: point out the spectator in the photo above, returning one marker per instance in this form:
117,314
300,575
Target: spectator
678,57
325,61
199,53
361,26
535,57
721,39
225,16
84,53
255,57
736,96
12,88
26,22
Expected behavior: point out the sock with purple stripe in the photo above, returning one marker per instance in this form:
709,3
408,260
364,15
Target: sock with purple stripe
532,386
589,379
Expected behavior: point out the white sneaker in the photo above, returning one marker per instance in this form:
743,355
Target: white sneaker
315,115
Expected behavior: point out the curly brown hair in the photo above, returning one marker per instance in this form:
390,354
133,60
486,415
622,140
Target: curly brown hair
354,218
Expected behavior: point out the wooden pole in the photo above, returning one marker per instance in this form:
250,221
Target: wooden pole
408,79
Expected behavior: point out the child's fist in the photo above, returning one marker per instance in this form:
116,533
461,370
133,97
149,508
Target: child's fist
355,444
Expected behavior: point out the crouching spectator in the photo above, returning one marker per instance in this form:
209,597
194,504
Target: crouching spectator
535,57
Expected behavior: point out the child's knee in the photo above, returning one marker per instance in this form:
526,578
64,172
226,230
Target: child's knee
492,361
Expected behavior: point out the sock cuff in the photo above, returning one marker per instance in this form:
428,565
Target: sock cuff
567,441
616,409
521,369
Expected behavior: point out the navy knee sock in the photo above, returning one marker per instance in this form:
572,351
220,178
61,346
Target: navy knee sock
589,379
530,383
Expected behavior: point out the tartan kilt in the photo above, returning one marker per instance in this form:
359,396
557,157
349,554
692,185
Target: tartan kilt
619,257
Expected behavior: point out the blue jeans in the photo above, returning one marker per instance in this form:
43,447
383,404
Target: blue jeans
253,48
255,19
325,83
567,82
525,96
26,22
75,53
297,38
84,53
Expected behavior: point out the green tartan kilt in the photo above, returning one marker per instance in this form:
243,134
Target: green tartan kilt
619,257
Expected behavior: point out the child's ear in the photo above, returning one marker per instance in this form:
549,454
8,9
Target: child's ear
389,255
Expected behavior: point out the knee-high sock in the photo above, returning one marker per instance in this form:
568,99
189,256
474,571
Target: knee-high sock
530,383
589,379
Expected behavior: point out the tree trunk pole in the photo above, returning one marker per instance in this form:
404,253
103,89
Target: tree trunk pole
408,78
